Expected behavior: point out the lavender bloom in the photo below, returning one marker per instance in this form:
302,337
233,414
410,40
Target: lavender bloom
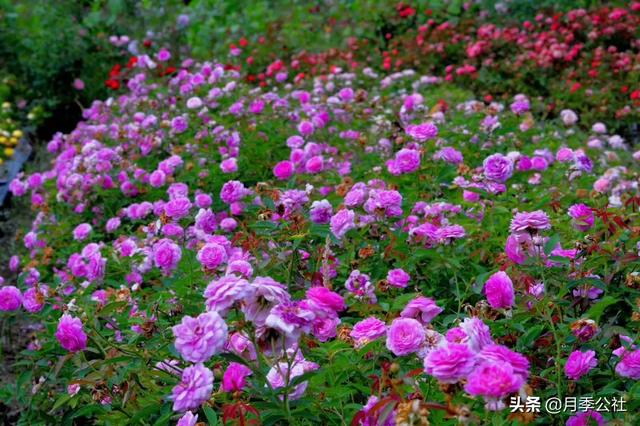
422,132
198,339
342,222
530,222
497,167
422,308
321,211
221,294
368,330
194,389
450,363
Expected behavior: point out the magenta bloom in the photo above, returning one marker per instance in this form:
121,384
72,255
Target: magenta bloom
179,124
422,132
494,353
499,291
81,231
398,278
194,388
177,208
518,247
10,298
368,330
314,164
305,128
530,221
493,380
405,336
325,327
424,309
342,222
33,299
157,178
233,191
360,286
283,170
221,294
325,299
166,255
405,161
497,167
235,377
450,363
198,339
629,365
212,255
580,363
520,106
70,334
14,263
582,215
586,419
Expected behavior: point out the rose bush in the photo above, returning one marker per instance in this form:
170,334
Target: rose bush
352,248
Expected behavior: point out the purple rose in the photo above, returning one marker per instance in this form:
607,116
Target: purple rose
497,167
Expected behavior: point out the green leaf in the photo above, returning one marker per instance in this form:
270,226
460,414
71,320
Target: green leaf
598,309
111,307
551,244
212,417
528,338
63,399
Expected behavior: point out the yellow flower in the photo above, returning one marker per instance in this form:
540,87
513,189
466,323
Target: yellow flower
3,140
9,152
17,133
13,141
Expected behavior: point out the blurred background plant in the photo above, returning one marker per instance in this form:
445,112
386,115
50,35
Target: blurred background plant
54,55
